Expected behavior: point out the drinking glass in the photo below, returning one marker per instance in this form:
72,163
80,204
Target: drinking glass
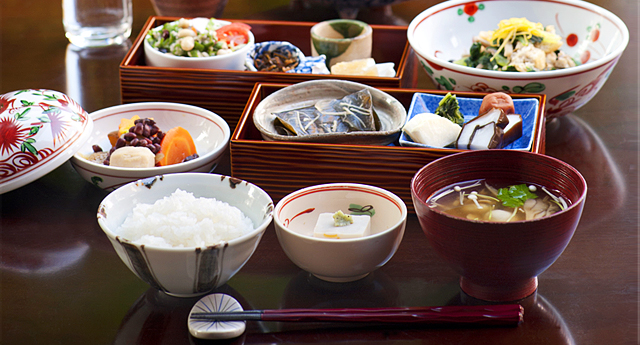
95,23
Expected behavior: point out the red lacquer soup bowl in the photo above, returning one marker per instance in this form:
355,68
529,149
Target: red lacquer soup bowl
499,261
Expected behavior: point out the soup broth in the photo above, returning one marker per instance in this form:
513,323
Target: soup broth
497,201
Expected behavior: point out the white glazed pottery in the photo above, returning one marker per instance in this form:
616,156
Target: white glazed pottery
209,131
188,271
232,61
39,131
591,34
340,260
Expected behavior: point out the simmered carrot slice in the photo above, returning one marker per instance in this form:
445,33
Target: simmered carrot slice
177,145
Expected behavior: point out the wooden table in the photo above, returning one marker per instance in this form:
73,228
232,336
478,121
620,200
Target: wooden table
62,283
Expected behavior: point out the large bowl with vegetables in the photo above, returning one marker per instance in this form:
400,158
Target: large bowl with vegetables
509,46
139,140
199,43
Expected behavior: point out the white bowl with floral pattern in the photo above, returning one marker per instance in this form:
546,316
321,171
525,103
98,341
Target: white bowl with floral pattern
39,131
591,34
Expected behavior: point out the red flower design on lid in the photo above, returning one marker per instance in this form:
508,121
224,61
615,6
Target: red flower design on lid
11,134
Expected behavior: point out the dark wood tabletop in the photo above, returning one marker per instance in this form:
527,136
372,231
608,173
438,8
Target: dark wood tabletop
61,281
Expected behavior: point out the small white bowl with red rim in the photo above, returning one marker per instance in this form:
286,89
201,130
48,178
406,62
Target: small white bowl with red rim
592,35
340,260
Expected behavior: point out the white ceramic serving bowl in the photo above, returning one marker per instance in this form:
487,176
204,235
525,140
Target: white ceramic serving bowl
339,260
592,35
186,271
233,61
209,131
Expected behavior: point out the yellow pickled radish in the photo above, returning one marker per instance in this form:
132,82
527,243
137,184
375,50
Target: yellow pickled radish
356,67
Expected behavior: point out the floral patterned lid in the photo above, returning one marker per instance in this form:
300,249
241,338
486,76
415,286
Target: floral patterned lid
39,131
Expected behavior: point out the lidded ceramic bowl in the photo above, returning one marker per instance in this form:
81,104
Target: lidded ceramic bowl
39,130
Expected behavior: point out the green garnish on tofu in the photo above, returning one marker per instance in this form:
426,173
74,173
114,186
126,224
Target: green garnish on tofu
341,219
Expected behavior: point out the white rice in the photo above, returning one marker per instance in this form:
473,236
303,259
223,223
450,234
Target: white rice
182,220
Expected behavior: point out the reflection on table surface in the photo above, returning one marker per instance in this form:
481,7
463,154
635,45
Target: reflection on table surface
62,282
160,319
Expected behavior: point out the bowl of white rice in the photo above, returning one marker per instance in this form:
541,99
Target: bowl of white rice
187,233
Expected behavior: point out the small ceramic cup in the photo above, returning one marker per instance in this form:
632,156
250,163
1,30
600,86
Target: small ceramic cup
341,40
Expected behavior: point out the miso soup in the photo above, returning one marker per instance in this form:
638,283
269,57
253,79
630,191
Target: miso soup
497,201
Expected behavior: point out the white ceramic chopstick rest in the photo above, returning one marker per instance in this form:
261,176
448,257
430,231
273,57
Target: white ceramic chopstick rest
207,329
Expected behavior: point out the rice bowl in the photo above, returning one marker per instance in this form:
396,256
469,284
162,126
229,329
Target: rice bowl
189,270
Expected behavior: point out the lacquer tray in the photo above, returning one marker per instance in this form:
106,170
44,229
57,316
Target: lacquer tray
227,92
283,167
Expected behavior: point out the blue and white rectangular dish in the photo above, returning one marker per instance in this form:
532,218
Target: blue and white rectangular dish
469,107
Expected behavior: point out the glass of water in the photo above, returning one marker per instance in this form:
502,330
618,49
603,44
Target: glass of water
95,23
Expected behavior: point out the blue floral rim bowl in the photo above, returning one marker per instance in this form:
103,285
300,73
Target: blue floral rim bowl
306,64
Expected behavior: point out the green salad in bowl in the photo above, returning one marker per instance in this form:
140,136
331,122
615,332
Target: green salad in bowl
186,38
198,43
